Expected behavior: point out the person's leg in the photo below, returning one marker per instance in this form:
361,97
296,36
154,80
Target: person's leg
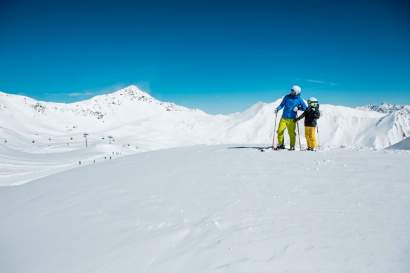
307,136
291,125
309,132
313,137
281,131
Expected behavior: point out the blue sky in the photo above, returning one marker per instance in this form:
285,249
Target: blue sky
220,56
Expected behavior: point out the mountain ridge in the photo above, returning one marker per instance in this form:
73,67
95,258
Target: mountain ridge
132,114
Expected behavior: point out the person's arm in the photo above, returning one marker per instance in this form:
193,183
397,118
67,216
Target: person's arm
282,104
301,116
302,104
317,114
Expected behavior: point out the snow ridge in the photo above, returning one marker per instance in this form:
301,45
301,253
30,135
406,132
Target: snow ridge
385,108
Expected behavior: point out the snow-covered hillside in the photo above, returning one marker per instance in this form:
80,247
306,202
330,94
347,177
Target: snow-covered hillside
130,120
214,209
402,145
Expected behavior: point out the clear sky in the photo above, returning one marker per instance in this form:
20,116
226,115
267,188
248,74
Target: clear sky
220,56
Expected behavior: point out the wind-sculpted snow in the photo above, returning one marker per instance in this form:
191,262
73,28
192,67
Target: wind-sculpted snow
214,209
130,120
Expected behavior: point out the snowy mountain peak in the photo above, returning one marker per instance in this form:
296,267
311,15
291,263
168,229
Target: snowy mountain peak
133,91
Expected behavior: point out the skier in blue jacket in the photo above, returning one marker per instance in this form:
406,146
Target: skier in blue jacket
291,103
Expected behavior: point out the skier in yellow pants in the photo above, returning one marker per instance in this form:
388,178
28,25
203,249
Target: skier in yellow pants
310,135
311,115
291,103
289,124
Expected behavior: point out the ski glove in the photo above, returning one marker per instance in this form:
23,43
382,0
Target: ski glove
276,111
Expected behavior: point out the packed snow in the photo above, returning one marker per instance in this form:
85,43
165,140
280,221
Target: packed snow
40,138
214,209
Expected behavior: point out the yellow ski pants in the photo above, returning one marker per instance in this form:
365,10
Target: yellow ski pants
310,134
289,124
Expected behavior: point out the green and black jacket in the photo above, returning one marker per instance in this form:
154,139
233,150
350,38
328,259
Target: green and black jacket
311,116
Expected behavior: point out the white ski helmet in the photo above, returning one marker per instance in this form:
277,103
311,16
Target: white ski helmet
295,90
312,100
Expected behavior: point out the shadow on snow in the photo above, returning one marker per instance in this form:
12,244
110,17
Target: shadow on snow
251,147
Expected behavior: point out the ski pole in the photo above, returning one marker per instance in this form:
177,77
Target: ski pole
274,131
318,140
297,125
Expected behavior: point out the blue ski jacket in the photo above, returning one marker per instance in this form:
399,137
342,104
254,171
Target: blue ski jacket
289,103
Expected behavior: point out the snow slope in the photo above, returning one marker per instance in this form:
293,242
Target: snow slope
214,209
130,120
402,145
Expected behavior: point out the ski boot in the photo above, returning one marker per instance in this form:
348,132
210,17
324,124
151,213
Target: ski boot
280,147
292,148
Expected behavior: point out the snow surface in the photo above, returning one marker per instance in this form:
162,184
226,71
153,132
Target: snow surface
40,138
214,209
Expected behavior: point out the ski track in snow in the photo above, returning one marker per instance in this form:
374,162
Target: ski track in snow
214,209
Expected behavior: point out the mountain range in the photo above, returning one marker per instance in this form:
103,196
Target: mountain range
39,138
133,118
